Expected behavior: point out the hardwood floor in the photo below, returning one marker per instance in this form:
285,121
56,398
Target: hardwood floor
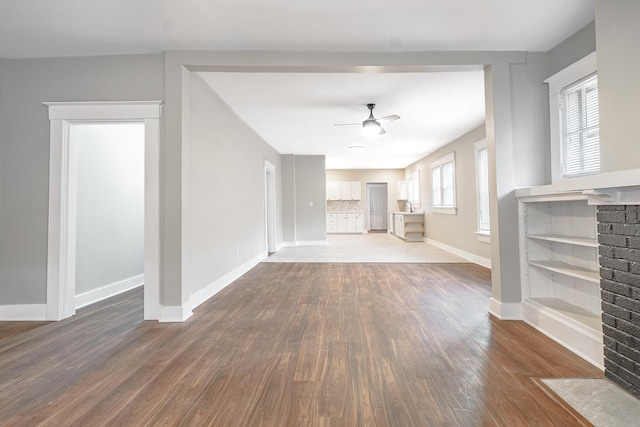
292,345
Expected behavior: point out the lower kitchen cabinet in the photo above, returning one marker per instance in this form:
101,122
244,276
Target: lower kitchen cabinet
345,223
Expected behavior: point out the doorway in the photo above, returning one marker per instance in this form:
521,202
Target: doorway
109,209
61,253
377,207
270,206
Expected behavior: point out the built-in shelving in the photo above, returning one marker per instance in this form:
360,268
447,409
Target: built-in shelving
560,270
578,241
568,270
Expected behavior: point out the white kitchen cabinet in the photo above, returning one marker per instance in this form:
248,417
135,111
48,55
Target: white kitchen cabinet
409,226
344,190
332,225
560,271
359,223
333,191
356,190
345,223
403,190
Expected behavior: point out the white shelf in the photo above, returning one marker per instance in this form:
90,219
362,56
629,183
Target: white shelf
571,311
559,269
578,241
568,270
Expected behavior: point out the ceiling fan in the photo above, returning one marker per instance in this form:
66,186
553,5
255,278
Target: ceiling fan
372,126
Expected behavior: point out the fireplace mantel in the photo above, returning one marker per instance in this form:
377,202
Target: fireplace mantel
609,188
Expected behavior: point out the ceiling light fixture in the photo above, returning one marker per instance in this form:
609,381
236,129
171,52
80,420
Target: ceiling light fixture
372,126
356,148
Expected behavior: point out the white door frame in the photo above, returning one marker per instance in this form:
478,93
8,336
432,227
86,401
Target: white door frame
62,181
270,205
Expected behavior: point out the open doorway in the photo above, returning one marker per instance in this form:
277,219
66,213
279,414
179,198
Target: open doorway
109,209
377,207
63,167
270,206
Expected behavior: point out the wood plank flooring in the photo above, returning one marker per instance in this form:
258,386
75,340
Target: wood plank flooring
292,345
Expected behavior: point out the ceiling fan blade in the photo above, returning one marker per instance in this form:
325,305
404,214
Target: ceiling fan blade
348,124
387,119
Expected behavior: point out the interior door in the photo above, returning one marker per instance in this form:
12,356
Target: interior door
377,206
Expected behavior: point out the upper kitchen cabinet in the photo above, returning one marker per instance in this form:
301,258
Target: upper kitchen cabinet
344,190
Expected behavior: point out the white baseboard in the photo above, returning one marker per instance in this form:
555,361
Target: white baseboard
505,310
174,313
109,291
575,336
305,243
182,313
23,312
485,262
312,242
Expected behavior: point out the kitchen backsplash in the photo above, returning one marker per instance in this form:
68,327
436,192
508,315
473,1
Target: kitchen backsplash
344,206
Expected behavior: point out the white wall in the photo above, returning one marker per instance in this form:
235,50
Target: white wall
24,138
224,210
617,39
110,204
454,230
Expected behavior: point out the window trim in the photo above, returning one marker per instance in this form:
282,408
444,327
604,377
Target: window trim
559,81
482,234
443,209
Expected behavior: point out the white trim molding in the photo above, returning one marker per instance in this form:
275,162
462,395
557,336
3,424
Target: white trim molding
505,310
182,313
23,312
476,259
62,181
108,291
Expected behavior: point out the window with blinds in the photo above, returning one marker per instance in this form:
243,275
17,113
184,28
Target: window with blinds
482,183
580,128
443,184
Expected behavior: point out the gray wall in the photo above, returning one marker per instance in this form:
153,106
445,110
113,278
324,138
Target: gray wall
110,212
573,49
24,137
288,198
310,188
618,38
454,230
224,210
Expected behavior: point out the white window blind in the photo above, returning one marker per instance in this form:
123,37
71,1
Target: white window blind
580,128
443,182
482,169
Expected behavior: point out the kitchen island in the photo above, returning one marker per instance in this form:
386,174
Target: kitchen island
408,226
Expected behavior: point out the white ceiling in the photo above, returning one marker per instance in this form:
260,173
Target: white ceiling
295,112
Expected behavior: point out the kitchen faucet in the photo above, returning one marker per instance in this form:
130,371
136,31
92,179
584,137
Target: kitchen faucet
410,205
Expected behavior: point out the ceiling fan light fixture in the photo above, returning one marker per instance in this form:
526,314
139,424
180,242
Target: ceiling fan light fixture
372,128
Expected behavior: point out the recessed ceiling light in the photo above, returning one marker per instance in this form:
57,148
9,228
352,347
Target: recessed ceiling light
356,147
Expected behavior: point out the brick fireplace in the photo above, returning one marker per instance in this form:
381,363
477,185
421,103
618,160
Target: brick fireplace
619,239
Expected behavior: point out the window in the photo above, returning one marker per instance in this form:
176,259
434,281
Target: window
413,189
580,128
482,186
573,103
443,185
